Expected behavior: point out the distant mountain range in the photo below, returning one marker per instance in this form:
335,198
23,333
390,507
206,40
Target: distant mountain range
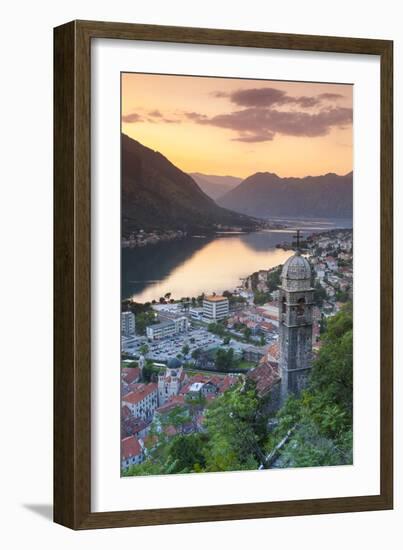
157,195
215,186
266,195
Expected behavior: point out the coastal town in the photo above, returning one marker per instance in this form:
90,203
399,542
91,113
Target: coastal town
180,355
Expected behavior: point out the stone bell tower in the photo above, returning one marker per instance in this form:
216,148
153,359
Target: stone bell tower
295,324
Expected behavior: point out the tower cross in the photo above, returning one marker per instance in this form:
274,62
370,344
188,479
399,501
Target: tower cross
297,237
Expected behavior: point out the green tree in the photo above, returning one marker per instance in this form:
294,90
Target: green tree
319,294
322,416
261,298
143,320
144,349
177,418
332,372
233,425
224,359
148,371
185,349
342,296
216,328
186,452
274,278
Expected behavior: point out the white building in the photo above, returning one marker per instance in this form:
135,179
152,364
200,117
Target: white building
170,327
132,452
170,382
160,330
196,313
331,263
320,273
142,400
269,310
215,308
128,324
275,294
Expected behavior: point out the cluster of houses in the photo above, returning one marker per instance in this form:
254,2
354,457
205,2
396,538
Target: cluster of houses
146,406
143,238
332,262
260,320
263,320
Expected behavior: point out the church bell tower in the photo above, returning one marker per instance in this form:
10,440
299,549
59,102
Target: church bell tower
295,324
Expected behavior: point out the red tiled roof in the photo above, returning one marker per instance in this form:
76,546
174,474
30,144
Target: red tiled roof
265,375
227,382
267,326
140,391
130,375
126,413
215,298
274,351
222,382
132,425
185,388
130,447
175,401
170,431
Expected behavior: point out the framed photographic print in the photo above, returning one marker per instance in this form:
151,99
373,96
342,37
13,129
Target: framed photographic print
223,275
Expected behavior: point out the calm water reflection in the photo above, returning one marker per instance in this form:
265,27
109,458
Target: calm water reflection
191,266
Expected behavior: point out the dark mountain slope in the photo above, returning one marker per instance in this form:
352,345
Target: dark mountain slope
157,195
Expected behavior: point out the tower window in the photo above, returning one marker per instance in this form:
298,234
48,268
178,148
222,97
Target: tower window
301,307
283,305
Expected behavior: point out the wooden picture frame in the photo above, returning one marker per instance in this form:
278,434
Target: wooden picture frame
72,271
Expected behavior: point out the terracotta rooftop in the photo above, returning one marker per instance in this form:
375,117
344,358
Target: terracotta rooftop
139,392
130,447
267,326
215,298
265,375
126,413
274,351
175,401
170,431
130,374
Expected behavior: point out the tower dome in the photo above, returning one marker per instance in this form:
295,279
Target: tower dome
174,363
296,268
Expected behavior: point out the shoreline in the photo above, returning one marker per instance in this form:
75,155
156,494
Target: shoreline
142,238
286,247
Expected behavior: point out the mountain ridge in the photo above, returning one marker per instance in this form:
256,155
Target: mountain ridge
265,195
156,194
215,186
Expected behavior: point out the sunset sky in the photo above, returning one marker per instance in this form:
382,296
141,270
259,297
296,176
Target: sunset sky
238,127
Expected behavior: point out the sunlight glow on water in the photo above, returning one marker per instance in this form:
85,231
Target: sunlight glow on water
189,267
216,267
